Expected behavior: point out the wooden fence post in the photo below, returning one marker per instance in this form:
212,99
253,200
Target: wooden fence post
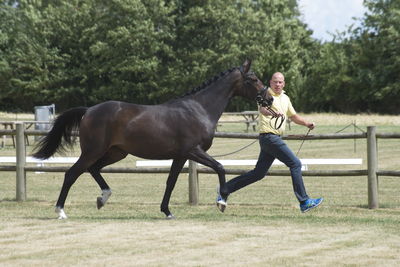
193,183
20,162
372,168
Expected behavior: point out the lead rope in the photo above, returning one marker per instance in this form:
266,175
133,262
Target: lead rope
240,149
260,101
246,146
304,139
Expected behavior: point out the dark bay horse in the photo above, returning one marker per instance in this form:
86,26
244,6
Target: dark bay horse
179,129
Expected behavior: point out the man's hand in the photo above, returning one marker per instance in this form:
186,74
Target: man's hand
301,121
265,111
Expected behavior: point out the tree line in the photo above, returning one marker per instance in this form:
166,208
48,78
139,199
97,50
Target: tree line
83,52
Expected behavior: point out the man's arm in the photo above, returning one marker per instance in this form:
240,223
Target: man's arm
265,111
301,121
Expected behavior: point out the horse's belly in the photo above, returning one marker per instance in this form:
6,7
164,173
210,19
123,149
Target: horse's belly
155,150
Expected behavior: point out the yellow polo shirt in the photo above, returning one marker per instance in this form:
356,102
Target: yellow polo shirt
281,104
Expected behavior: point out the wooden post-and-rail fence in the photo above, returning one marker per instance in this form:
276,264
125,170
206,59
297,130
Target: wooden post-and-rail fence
372,171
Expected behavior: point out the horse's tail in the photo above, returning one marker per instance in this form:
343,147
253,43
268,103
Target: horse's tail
63,126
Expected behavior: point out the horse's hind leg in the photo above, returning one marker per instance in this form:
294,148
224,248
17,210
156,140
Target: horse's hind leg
112,156
69,179
176,168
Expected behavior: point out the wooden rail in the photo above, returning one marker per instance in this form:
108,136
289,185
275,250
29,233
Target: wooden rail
372,172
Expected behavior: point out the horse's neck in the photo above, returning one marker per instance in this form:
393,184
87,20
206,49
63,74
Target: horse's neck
216,97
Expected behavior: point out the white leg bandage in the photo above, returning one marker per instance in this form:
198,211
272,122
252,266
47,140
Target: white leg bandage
106,193
61,213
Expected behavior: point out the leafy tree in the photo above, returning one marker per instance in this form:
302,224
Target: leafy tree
332,83
359,70
23,56
7,19
379,56
215,35
84,52
74,52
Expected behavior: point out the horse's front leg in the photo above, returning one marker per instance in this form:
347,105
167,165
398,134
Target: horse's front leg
176,168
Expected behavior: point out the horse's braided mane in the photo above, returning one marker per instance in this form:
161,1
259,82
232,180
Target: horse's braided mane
210,81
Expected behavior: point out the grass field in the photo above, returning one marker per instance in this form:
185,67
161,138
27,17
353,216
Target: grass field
262,225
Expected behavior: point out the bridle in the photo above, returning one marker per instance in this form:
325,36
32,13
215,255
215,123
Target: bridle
267,103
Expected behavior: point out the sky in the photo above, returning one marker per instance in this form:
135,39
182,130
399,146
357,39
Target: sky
324,16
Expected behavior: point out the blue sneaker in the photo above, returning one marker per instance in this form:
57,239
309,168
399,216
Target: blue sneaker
310,204
221,202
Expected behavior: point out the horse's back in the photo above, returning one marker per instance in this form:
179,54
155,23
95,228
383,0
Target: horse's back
148,131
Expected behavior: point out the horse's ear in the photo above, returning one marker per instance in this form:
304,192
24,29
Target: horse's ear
246,65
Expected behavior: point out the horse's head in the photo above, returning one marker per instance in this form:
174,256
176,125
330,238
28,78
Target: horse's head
252,87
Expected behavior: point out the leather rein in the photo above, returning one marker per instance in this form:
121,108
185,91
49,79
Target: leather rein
267,103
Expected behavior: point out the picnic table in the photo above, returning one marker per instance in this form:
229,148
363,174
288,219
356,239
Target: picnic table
10,125
250,118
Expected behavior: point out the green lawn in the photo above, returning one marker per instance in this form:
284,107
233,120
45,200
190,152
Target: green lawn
262,225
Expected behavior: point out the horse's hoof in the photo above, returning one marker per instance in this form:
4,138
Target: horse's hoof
61,213
221,207
170,217
100,203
